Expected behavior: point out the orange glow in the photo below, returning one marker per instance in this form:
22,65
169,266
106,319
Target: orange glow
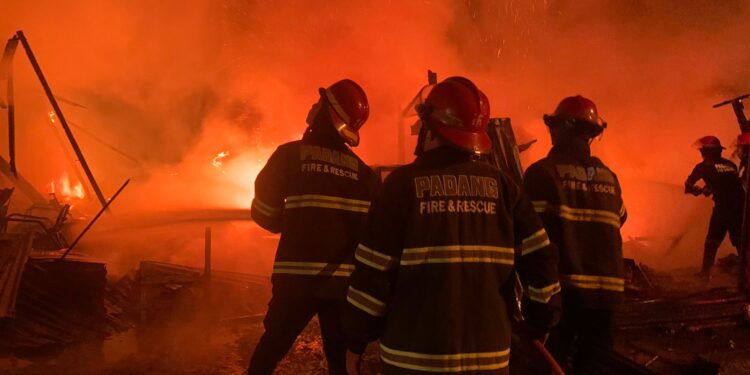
65,191
172,89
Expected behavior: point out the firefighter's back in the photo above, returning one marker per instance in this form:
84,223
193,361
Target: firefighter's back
319,199
580,202
457,255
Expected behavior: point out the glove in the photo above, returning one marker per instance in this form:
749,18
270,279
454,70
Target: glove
531,332
537,333
692,189
706,192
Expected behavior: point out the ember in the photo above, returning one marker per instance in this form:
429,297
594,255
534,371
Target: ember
218,160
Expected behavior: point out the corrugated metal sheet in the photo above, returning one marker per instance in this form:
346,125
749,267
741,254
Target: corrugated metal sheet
14,252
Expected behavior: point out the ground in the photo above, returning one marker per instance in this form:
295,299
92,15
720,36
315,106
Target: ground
208,345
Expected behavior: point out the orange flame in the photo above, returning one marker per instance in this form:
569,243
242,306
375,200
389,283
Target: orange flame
218,160
65,191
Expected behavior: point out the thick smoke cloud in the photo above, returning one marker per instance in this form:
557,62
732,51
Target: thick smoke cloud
173,83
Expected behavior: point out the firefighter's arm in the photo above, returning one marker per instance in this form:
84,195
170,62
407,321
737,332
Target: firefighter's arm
623,211
541,189
537,262
536,256
376,259
690,187
270,185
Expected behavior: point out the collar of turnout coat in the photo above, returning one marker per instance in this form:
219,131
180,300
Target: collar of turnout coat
577,148
441,156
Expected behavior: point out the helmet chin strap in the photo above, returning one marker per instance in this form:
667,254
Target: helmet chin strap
426,141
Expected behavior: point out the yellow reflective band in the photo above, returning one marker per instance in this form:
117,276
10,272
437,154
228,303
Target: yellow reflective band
265,209
374,259
457,254
543,295
578,214
365,302
535,242
623,211
327,201
313,269
348,133
616,284
336,106
459,362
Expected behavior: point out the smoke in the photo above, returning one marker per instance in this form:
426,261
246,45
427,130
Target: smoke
172,84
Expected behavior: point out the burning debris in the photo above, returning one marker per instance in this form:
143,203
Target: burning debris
219,159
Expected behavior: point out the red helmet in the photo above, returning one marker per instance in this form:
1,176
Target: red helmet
349,109
580,112
458,112
709,142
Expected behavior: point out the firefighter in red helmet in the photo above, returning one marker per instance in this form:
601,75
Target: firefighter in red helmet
722,181
441,244
580,202
316,192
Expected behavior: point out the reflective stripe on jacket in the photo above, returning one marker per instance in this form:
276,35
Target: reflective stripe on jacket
580,202
317,196
442,242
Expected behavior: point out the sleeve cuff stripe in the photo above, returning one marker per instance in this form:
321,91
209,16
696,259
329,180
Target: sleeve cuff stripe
535,248
535,242
543,295
365,302
263,211
374,258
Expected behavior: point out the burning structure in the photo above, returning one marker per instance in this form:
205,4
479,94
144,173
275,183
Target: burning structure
190,101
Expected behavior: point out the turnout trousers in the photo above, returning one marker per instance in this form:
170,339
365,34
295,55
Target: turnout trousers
287,316
580,337
724,218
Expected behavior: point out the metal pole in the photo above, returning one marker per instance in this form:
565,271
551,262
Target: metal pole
91,223
401,140
207,255
61,117
744,277
6,66
12,126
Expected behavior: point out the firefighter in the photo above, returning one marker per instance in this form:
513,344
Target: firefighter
722,181
579,200
440,247
316,192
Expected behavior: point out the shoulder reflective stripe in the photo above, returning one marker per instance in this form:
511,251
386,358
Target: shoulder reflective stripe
616,284
295,198
445,362
374,259
578,214
264,208
535,242
365,302
327,201
543,295
335,206
313,269
623,211
457,254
